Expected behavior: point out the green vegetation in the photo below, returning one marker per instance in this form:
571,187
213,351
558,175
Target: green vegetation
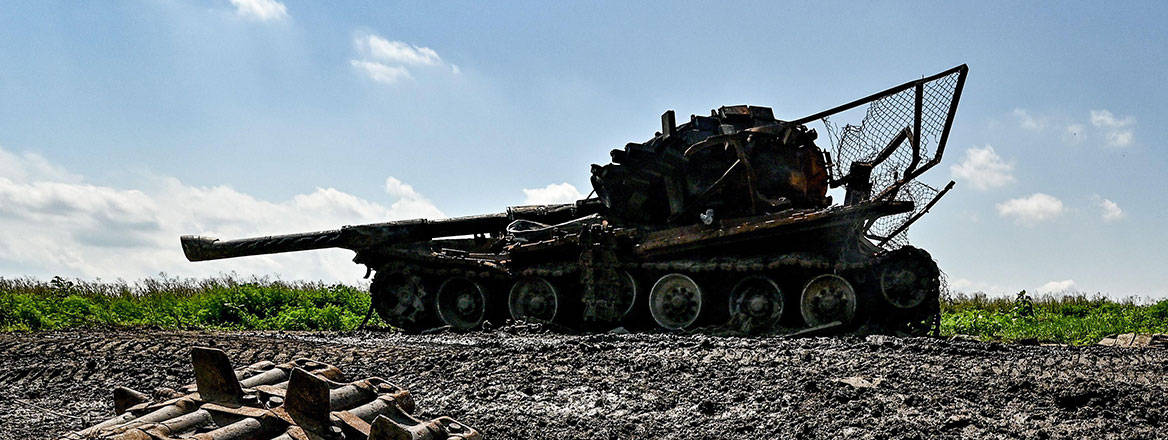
260,304
1072,319
219,303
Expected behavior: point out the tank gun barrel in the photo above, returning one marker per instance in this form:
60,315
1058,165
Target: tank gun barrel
198,248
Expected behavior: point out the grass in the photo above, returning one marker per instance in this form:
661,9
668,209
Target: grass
1067,319
172,303
261,304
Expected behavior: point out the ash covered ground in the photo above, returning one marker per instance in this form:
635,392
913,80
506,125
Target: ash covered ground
522,382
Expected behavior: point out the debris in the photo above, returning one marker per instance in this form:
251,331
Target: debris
860,382
299,400
957,421
1155,340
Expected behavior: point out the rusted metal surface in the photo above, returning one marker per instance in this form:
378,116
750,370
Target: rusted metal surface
299,400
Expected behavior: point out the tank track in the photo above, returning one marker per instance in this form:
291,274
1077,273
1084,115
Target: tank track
298,400
872,312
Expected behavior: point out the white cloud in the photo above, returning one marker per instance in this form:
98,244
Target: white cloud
1031,210
409,200
397,52
1118,130
984,169
551,194
262,10
1063,286
1027,121
52,223
1110,211
960,284
965,285
1119,138
380,72
386,60
29,165
1104,119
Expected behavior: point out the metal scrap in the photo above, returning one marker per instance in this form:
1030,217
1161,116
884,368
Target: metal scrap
298,400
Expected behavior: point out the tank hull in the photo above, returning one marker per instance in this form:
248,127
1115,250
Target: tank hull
749,275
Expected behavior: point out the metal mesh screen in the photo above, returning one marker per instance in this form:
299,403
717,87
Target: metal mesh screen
883,120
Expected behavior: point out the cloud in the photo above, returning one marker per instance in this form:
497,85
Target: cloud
965,285
1031,210
1027,121
1118,131
1063,286
381,72
1119,138
1110,211
960,284
1104,118
984,169
260,10
54,223
1102,126
398,52
552,194
386,61
409,200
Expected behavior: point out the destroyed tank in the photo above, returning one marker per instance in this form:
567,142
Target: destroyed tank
722,220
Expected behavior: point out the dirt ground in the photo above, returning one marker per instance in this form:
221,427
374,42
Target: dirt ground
523,383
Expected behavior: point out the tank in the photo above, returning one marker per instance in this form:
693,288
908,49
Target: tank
725,220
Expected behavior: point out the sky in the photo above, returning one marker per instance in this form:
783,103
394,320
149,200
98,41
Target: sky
125,124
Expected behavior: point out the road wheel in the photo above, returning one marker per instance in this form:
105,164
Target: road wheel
534,299
398,298
461,303
675,301
757,301
828,298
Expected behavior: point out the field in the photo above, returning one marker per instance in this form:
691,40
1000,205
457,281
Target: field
226,303
68,343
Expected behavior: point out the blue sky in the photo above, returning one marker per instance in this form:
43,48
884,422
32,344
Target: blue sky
126,123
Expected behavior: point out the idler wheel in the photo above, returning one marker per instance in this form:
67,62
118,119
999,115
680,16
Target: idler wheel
828,298
908,279
397,299
462,303
675,301
533,299
757,298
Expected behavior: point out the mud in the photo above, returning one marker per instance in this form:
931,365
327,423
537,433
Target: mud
521,382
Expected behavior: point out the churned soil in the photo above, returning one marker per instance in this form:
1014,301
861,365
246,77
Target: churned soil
523,382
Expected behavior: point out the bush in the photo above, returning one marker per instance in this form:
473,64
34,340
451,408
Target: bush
217,303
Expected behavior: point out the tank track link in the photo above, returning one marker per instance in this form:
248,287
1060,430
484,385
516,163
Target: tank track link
297,400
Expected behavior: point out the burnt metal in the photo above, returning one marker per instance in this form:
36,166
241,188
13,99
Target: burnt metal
721,201
299,400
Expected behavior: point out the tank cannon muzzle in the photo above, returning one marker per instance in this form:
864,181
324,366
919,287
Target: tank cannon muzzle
198,248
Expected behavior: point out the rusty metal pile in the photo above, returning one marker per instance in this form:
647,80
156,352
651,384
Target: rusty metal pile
298,400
